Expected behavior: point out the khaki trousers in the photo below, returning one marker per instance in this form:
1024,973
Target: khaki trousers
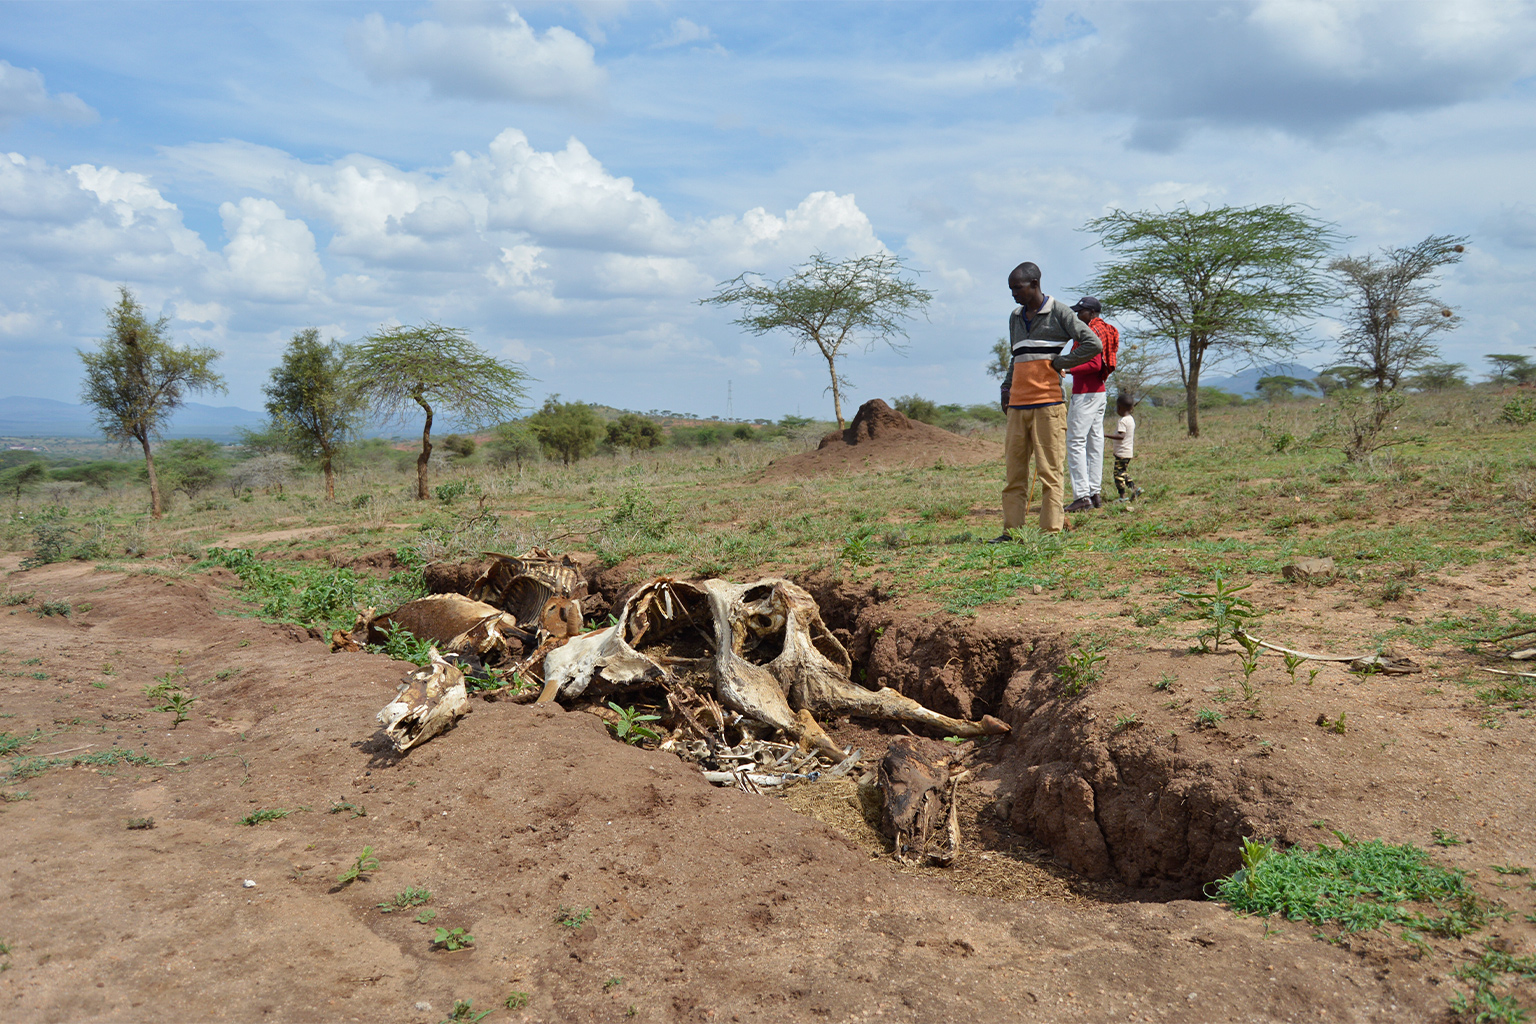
1038,436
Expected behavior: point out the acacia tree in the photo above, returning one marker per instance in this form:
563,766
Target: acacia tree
1393,315
138,378
1511,368
314,413
567,431
393,369
830,304
1235,281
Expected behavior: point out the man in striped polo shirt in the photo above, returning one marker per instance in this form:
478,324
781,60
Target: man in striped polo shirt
1040,331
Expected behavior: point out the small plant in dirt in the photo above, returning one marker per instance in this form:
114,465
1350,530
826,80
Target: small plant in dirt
1510,869
1250,664
1124,722
11,742
352,810
613,983
5,955
573,917
258,817
401,645
179,704
1443,838
426,916
452,940
1208,718
630,727
516,1001
359,868
60,608
1223,609
16,796
1339,725
140,824
405,899
1488,975
1083,668
462,1008
1165,681
1292,663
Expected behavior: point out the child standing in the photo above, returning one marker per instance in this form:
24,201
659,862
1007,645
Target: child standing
1125,448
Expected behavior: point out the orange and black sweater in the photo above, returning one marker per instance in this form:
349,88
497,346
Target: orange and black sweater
1039,346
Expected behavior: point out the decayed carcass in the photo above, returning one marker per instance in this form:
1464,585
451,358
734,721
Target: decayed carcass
761,648
454,622
429,701
914,790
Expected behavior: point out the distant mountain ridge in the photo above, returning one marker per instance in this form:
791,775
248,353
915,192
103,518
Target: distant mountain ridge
1247,382
47,417
21,416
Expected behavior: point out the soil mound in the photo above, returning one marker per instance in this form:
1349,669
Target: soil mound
882,438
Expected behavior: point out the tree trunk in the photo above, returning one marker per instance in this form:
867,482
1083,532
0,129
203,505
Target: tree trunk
330,477
154,481
837,395
426,452
1192,387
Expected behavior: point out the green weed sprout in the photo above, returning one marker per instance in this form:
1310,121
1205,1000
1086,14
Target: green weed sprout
1292,663
516,1001
365,863
1081,671
628,727
180,704
1208,718
405,899
462,1008
454,940
272,814
1226,613
573,917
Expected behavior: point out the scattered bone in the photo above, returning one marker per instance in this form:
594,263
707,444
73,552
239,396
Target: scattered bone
429,701
523,585
1502,672
1383,663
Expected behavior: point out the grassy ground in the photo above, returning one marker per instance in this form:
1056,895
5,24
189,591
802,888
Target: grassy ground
1243,499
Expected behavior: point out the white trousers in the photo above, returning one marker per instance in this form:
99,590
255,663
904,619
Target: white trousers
1085,443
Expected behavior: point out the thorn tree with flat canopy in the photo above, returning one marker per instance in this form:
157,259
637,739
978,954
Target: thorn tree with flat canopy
395,368
1233,281
831,304
138,378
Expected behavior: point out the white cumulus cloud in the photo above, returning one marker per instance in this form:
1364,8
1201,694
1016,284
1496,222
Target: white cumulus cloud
24,94
479,52
269,255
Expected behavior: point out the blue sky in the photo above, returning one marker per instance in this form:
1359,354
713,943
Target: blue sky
566,181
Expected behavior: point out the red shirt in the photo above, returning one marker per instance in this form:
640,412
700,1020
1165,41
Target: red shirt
1088,378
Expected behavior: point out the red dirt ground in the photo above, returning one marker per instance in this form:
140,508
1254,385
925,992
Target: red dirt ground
707,904
882,438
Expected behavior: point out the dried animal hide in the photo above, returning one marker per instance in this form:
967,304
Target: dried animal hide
445,619
917,798
429,701
761,647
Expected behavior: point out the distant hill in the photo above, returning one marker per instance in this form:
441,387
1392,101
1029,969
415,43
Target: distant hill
1247,382
47,417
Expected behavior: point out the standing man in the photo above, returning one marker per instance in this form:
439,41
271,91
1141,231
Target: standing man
1085,417
1039,331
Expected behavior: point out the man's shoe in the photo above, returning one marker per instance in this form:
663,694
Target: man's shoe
1097,499
1003,539
1082,504
1135,492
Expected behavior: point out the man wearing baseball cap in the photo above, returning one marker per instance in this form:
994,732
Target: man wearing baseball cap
1085,417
